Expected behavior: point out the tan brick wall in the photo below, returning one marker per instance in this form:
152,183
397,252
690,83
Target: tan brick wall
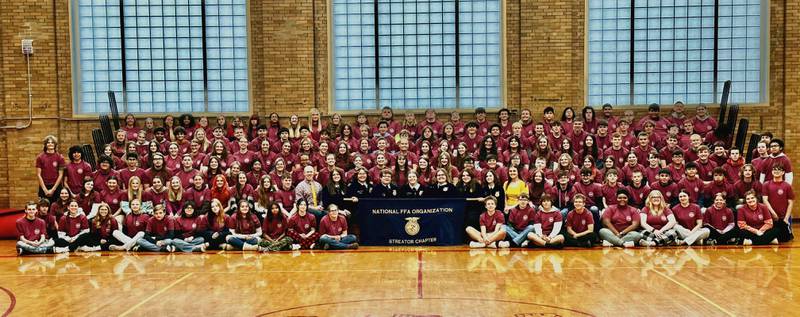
289,71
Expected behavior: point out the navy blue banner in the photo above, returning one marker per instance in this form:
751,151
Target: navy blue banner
399,222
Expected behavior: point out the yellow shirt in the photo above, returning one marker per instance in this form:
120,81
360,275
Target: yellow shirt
513,191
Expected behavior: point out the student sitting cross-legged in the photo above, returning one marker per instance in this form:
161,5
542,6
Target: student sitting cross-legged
490,220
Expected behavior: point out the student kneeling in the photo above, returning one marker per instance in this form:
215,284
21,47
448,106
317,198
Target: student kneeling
333,231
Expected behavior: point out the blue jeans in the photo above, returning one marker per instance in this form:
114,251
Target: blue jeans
187,246
238,243
341,244
518,236
45,247
146,245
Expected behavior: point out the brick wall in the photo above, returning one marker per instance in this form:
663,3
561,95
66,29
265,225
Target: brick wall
289,61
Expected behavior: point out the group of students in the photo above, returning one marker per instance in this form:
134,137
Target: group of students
188,186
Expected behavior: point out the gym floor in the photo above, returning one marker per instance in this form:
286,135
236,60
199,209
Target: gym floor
422,281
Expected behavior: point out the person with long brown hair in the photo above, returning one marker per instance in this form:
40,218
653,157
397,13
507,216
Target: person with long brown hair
245,229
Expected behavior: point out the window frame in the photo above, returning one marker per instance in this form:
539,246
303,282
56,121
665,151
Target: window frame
73,8
331,87
764,63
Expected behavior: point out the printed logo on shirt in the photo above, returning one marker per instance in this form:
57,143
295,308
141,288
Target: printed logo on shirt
55,164
444,189
306,226
591,194
628,218
525,217
760,217
115,201
136,223
77,226
724,218
550,219
696,189
194,226
663,218
780,192
583,222
36,231
691,214
280,225
80,171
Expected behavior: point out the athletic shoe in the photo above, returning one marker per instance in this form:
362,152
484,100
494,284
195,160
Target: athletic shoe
20,251
711,242
679,242
774,241
607,244
524,244
503,244
326,246
492,245
747,242
353,246
646,243
95,248
171,248
135,248
589,244
295,247
313,246
628,244
476,244
61,250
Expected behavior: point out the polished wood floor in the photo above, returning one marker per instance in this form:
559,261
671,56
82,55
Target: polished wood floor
721,281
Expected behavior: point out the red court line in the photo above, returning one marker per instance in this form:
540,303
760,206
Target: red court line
419,275
13,300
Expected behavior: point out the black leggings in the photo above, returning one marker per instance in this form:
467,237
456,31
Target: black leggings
83,240
94,240
723,238
765,238
579,242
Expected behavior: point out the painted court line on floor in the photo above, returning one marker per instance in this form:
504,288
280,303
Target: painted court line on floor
161,291
686,287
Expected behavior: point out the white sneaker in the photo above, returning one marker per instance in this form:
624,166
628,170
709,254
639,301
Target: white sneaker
524,244
476,245
492,245
503,244
295,247
95,248
646,243
607,244
629,244
774,241
61,250
747,242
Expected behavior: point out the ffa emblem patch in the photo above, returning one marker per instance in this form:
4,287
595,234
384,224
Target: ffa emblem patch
691,214
412,226
55,164
80,171
628,218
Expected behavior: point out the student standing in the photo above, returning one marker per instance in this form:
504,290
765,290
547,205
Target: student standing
779,198
50,169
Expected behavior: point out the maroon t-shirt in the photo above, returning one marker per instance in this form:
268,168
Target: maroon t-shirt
73,225
31,229
75,173
275,228
302,224
113,199
657,221
105,228
152,196
186,177
491,221
692,187
718,218
50,163
579,222
519,218
190,226
621,218
196,196
213,225
333,228
135,223
687,216
160,228
125,175
779,195
548,220
754,218
593,191
244,224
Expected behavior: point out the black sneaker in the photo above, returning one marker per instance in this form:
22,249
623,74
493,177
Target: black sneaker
20,252
589,244
711,242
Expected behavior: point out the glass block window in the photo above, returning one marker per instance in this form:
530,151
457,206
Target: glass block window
663,51
740,49
609,52
168,56
416,54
